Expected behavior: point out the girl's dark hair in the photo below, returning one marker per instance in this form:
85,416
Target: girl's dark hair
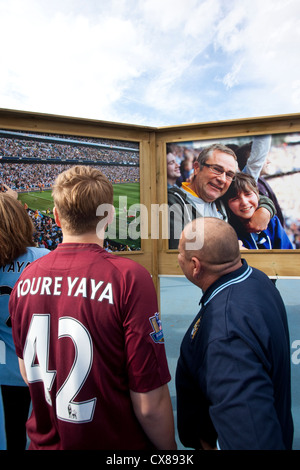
241,183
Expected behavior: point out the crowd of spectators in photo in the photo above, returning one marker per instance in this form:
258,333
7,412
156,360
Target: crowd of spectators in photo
123,159
48,235
18,135
108,151
23,177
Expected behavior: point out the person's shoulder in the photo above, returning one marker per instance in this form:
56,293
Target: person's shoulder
31,259
126,266
258,274
121,261
175,190
175,193
32,255
275,221
259,285
36,252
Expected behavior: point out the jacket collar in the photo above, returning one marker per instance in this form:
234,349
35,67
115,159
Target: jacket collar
235,277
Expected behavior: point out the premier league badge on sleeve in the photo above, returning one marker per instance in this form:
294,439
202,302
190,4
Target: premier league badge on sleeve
157,335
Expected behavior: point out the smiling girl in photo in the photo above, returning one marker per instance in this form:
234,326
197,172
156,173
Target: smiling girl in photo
241,201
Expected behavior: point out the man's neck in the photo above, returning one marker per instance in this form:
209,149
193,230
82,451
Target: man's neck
84,238
189,188
212,277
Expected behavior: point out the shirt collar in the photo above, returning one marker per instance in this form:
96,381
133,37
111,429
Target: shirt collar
186,187
239,275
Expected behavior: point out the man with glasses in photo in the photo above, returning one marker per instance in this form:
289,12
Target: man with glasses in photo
214,170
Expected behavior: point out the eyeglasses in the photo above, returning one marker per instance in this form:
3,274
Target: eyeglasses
218,170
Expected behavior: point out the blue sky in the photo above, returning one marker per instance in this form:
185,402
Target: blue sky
151,62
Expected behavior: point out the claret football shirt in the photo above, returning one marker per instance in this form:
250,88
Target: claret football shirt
86,324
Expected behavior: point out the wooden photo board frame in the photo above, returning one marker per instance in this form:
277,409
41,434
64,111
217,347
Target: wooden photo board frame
275,263
34,123
155,255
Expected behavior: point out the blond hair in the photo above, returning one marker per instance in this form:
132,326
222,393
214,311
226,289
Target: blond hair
77,193
16,229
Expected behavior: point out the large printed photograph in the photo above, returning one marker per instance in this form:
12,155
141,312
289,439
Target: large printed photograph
30,162
201,181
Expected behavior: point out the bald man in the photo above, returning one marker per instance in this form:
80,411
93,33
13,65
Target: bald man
233,373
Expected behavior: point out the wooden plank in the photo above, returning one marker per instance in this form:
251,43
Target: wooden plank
272,262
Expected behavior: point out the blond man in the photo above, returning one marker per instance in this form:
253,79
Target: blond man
84,328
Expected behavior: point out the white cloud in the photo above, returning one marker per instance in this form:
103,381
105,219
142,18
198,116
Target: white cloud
296,92
263,50
229,29
154,61
231,78
60,64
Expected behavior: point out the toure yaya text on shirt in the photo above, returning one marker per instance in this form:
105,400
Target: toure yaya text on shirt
85,287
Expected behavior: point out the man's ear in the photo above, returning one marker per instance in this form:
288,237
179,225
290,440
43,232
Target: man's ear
107,212
56,217
196,167
111,214
197,267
